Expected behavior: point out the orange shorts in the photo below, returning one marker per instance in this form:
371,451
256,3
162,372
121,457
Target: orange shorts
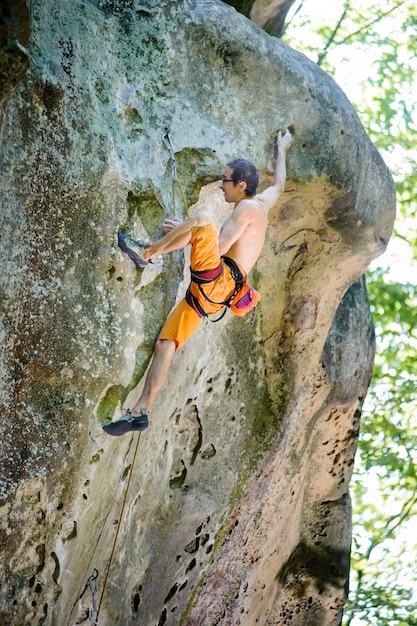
183,321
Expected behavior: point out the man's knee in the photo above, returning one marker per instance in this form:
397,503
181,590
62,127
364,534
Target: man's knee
164,348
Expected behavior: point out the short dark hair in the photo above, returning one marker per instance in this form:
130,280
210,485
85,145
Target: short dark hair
244,170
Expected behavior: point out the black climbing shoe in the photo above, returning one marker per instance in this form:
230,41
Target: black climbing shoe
127,423
134,249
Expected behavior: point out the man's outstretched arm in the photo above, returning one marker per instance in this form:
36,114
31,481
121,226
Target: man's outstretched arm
271,194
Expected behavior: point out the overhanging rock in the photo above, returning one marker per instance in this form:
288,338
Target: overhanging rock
238,506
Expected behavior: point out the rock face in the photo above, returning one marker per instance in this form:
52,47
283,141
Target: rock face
233,507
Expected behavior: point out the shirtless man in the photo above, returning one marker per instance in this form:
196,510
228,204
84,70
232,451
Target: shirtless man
241,238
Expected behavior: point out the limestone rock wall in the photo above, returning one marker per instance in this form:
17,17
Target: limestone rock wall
233,507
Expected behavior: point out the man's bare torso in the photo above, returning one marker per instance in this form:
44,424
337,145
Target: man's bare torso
247,248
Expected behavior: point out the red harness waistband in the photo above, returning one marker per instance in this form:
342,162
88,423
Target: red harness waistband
206,276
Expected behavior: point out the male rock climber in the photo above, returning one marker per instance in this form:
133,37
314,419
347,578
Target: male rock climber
241,239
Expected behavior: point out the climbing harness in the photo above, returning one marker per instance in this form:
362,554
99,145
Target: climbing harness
202,278
243,299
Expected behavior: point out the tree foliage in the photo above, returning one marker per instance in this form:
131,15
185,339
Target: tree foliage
369,48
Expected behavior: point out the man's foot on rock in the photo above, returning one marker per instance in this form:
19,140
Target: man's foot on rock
134,249
127,423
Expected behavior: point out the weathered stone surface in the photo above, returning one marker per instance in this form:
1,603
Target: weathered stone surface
241,482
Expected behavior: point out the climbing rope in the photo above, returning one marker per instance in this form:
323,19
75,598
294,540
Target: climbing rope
118,526
92,582
175,180
166,139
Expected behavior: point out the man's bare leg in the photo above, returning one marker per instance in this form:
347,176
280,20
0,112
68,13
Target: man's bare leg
178,236
163,247
137,419
161,361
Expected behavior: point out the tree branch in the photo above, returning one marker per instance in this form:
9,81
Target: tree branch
323,54
398,519
368,25
285,26
349,37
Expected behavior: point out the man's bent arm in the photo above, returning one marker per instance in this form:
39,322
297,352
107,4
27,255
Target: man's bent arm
271,194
